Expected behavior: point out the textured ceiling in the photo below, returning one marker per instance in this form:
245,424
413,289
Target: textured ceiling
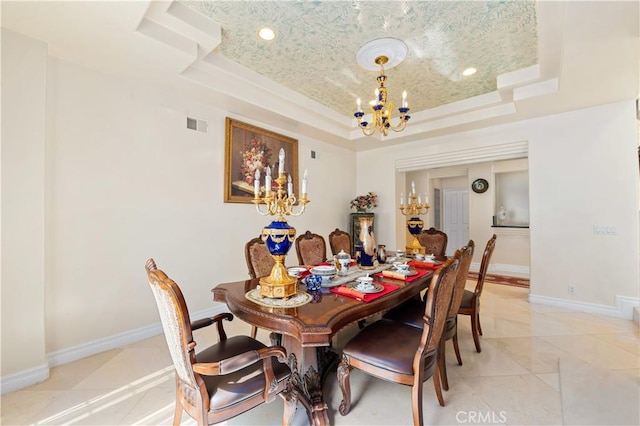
315,49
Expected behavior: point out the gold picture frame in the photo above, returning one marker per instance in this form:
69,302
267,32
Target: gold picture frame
247,147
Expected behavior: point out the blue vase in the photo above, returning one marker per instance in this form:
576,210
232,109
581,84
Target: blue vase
415,225
278,237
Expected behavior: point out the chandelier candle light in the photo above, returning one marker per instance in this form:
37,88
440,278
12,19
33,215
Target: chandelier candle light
279,235
373,55
414,208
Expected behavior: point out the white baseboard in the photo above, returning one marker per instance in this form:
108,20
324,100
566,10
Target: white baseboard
503,269
624,306
22,379
32,376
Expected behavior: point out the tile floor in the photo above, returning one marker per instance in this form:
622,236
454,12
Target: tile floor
539,365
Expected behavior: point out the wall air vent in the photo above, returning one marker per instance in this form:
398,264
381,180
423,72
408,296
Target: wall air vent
195,124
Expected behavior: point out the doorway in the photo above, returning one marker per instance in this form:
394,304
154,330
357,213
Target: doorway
456,218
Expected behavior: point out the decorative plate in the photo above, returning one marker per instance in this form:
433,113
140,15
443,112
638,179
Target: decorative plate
479,186
376,288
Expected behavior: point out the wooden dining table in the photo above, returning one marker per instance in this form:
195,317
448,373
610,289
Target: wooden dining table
307,331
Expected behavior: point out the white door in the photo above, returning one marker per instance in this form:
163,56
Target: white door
456,218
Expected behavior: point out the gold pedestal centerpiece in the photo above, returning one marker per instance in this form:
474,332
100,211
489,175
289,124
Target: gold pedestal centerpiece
414,208
279,235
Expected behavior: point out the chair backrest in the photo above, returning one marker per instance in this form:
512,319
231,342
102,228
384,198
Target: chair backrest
464,258
175,323
311,249
434,241
484,266
437,306
259,260
340,240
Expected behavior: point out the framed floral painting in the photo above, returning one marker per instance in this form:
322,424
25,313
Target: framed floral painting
249,148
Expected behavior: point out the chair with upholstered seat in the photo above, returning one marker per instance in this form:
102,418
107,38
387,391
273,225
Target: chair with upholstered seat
259,263
411,312
434,242
226,379
340,240
470,304
401,353
259,260
311,249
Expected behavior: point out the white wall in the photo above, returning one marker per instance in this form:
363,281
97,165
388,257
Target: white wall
125,181
583,172
23,205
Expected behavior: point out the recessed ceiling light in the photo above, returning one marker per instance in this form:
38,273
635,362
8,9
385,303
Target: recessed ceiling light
266,33
469,71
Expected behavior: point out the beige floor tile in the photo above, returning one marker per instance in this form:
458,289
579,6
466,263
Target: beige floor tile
66,376
552,379
21,406
131,365
598,396
596,352
520,399
490,362
628,341
532,353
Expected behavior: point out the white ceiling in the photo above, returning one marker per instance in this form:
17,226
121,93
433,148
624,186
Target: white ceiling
533,59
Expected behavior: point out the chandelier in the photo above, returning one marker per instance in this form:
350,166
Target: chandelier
381,108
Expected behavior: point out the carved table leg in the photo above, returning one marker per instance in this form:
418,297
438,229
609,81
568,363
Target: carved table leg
343,381
306,380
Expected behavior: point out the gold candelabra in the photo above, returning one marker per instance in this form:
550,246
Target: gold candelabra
280,202
279,235
413,209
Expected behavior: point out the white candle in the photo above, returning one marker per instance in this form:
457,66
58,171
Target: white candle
304,182
413,188
358,102
426,198
256,183
419,199
401,199
281,162
404,99
267,180
289,186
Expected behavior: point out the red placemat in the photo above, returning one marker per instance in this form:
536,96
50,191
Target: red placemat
425,265
397,276
364,297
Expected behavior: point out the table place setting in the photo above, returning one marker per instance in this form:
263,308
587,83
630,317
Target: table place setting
364,289
402,271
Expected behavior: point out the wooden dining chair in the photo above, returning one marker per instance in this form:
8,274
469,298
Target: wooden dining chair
259,264
311,249
401,353
226,379
340,240
470,304
412,311
434,242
